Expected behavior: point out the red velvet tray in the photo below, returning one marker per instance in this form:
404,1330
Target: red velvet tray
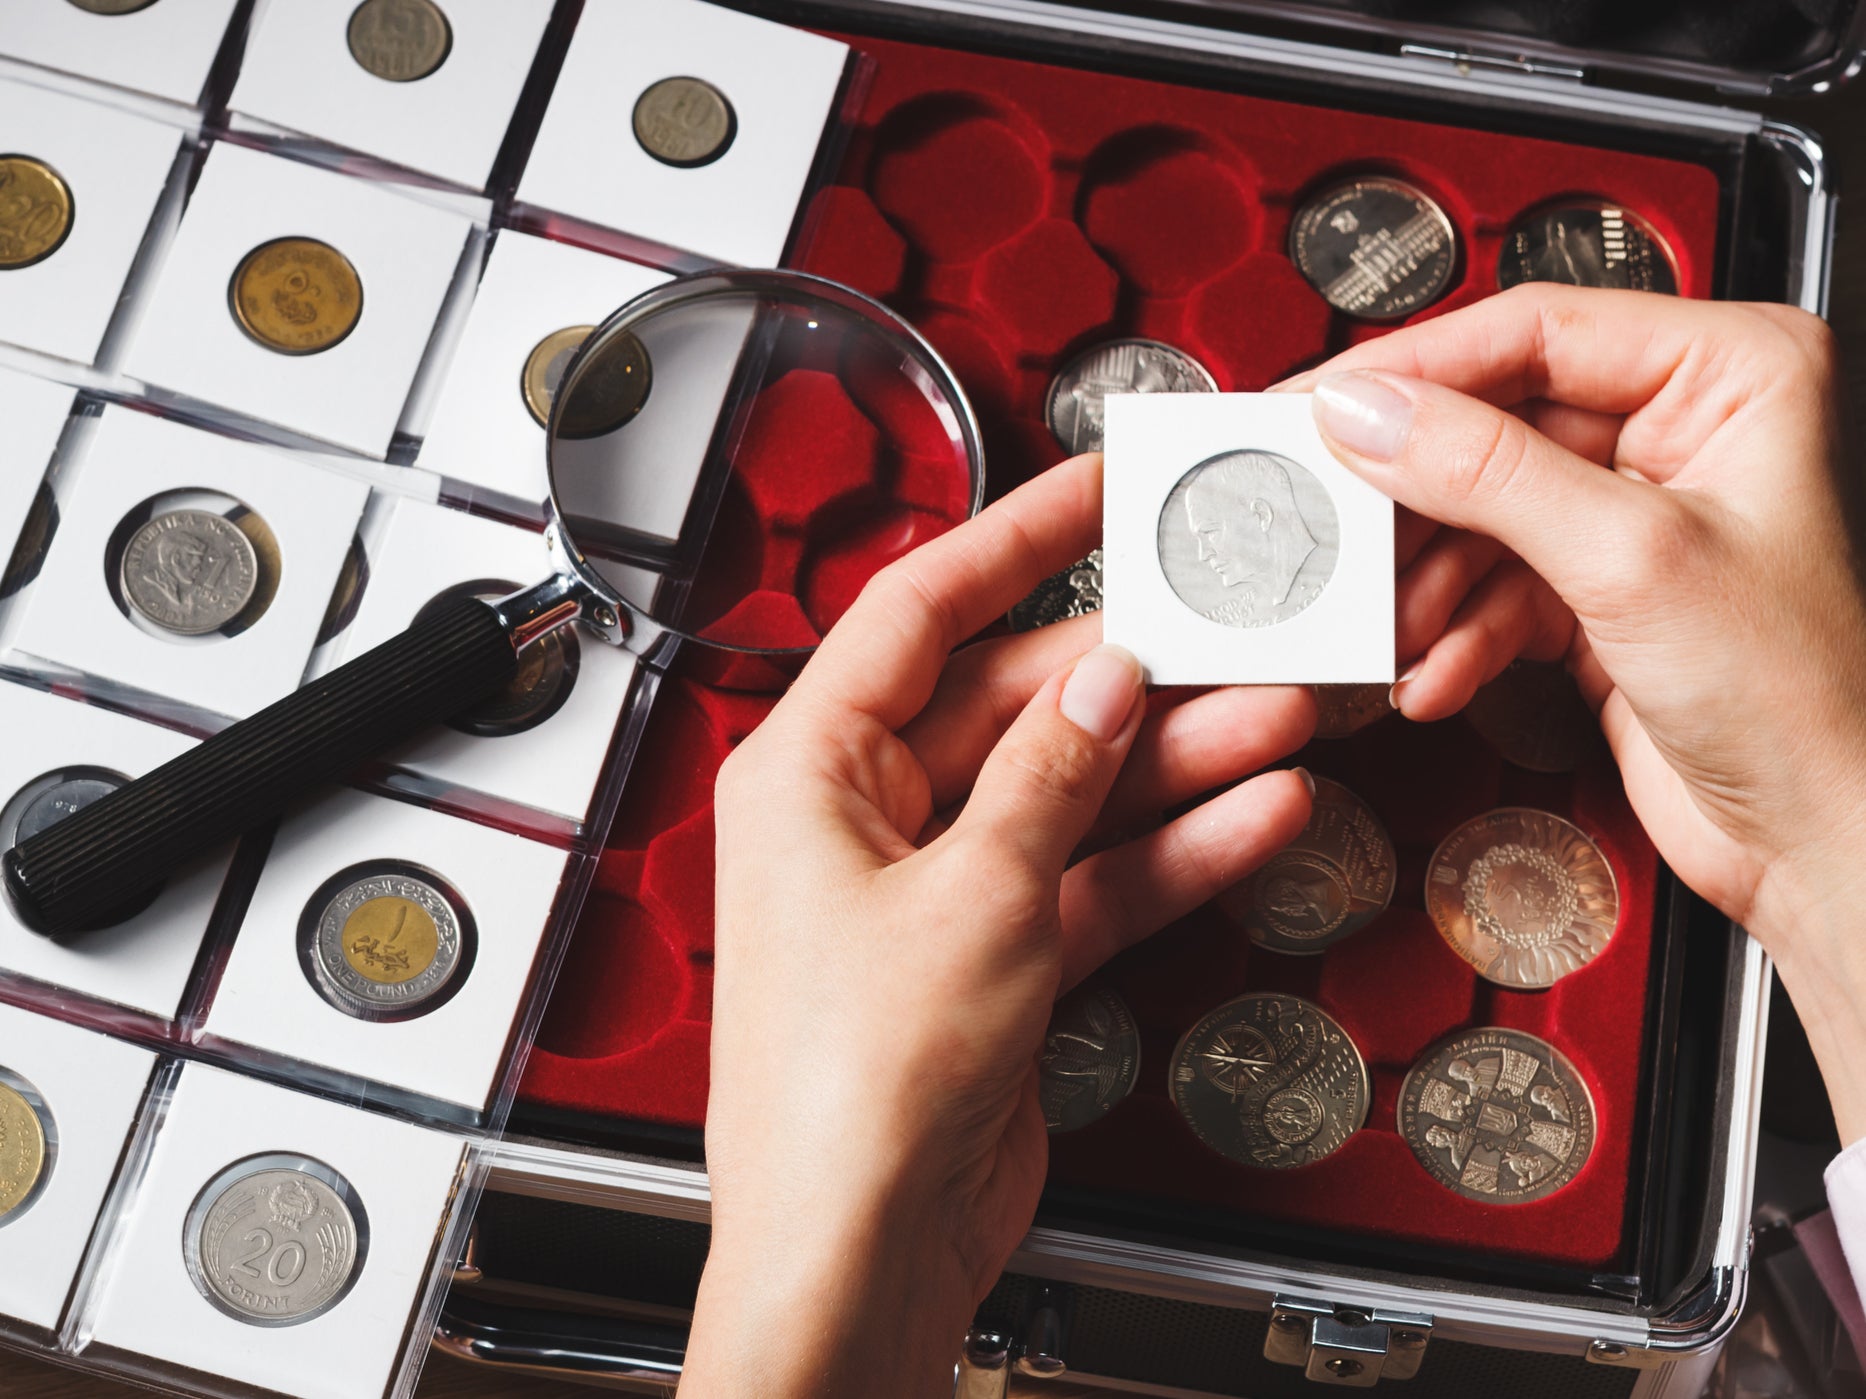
1018,212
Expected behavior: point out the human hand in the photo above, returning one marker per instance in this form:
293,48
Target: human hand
897,911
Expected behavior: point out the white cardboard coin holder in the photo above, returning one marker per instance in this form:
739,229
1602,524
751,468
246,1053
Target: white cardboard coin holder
299,74
145,963
70,621
351,394
482,434
586,164
1248,535
35,412
116,166
88,1090
166,50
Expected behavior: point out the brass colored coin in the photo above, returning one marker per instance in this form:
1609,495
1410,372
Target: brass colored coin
400,40
113,7
1498,1116
35,211
1533,714
1332,880
1523,896
22,1149
296,295
544,369
389,940
1090,1060
384,944
685,122
611,386
1343,710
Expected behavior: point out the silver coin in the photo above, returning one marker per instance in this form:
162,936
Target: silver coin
684,122
189,571
1248,539
1587,245
1374,248
385,944
66,796
275,1240
1077,393
1075,592
401,41
1091,1058
1332,880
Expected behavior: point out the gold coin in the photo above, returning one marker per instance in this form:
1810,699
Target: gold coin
684,122
400,40
296,295
1533,714
610,388
1342,710
22,1149
1523,896
35,211
389,940
544,369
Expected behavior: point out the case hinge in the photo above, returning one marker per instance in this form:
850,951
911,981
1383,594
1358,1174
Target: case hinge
1344,1344
1465,60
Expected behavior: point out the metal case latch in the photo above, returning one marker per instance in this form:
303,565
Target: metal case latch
1346,1345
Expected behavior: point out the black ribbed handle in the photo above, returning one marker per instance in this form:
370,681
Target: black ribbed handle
90,868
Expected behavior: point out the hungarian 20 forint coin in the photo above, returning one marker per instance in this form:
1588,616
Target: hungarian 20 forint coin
1332,880
296,296
1587,245
1375,248
1270,1081
1497,1116
1074,592
385,943
400,40
684,122
1523,896
25,1146
276,1240
36,211
1074,406
1091,1058
189,571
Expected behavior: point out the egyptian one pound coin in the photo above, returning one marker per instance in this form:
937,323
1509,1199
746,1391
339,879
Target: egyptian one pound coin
1374,248
1332,880
1091,1058
685,122
1344,710
1074,592
1270,1081
1497,1116
22,1150
386,944
1523,896
400,40
1588,245
189,571
35,211
274,1241
1075,405
296,295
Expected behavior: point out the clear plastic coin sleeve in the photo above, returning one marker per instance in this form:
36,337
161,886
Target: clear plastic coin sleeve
256,1112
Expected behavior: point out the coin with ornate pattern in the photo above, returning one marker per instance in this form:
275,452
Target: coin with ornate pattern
1091,1058
1533,715
1344,710
400,41
36,211
1498,1116
1074,405
1374,247
1523,896
1270,1081
189,571
386,943
23,1146
1587,245
685,122
1074,592
1332,880
275,1240
296,296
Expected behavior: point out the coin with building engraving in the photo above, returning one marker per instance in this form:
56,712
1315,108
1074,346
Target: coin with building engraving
1074,592
1270,1081
1523,896
36,211
1331,881
1090,1060
1498,1116
685,122
1342,711
400,40
1375,248
1534,716
276,1240
1587,245
1074,406
296,296
540,684
24,1145
387,943
189,571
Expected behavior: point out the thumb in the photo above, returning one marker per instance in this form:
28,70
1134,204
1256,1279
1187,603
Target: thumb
1043,786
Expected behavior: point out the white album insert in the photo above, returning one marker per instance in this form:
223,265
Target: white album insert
165,49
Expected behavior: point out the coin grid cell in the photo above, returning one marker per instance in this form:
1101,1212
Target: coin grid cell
384,990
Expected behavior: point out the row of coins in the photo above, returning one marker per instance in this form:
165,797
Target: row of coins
1274,1082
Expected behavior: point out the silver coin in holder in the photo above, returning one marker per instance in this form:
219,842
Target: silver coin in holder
276,1239
386,941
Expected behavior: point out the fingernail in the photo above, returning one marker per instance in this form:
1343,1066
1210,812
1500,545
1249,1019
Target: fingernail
1393,695
1363,414
1100,691
1308,778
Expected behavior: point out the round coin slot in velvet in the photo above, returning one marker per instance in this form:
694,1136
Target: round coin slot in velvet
958,176
193,566
1169,208
623,982
386,941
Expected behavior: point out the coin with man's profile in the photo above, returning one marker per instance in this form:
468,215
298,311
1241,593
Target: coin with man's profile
189,572
1332,880
1074,405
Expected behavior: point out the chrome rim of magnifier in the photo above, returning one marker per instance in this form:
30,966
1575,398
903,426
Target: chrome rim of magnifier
615,617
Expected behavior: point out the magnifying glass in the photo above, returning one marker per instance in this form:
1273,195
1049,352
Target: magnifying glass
730,457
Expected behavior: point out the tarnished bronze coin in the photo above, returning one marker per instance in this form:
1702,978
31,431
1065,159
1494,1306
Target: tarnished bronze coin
1074,592
1523,896
36,211
1270,1081
1332,880
1344,710
1533,715
23,1148
1587,245
1091,1058
400,40
1374,247
1498,1116
609,388
685,122
296,295
544,369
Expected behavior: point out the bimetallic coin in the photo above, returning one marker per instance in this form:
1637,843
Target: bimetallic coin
36,211
386,944
1533,714
67,795
23,1148
1075,592
685,122
1091,1058
1270,1081
189,571
276,1240
400,40
1248,539
610,388
1074,407
1332,880
1587,245
113,7
1497,1116
1523,896
1374,248
296,295
544,369
1344,710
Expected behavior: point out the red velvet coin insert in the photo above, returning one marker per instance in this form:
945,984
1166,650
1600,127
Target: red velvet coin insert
1018,213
